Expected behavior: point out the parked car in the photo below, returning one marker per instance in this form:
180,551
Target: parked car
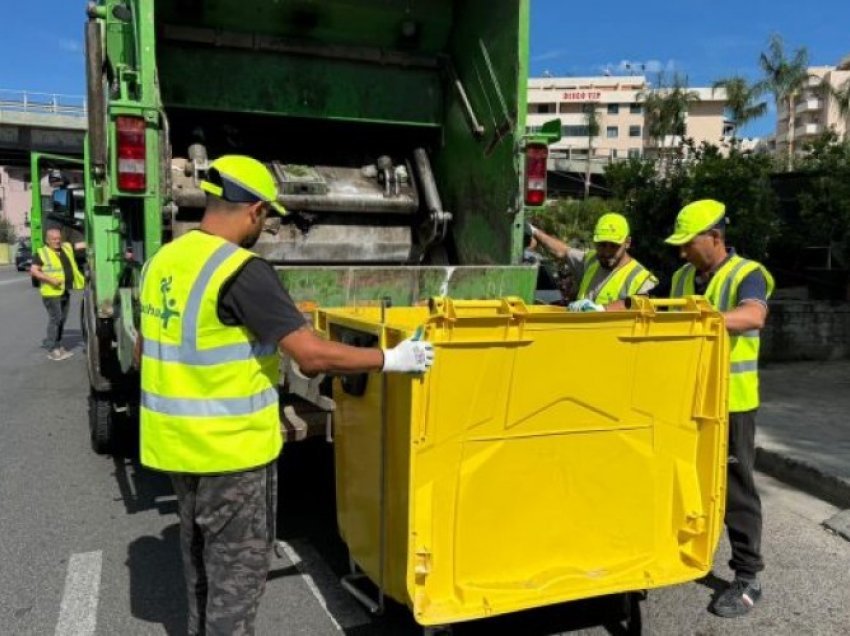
23,255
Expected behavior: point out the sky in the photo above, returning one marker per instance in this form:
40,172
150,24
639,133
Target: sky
42,50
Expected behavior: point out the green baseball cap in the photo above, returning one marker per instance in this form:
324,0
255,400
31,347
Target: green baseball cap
611,228
241,179
696,218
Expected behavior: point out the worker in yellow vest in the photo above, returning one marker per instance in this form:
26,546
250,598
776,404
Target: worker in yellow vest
214,317
608,274
55,268
740,289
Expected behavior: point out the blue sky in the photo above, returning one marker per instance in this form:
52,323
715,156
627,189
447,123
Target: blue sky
41,41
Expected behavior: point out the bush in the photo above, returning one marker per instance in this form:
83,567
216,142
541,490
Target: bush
573,220
7,231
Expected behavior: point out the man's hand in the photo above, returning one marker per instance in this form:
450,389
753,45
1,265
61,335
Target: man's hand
55,283
584,305
409,356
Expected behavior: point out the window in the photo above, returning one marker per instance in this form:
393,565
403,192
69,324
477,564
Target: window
588,107
634,131
541,108
612,132
635,109
634,153
533,129
575,131
613,109
613,153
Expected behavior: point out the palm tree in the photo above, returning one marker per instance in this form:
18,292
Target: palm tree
591,120
667,108
784,78
742,101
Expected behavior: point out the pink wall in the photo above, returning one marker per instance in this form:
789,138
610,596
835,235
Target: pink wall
16,197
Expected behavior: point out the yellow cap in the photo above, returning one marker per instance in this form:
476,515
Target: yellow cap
695,218
611,228
241,179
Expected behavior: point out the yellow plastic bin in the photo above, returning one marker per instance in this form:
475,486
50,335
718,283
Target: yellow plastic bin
546,457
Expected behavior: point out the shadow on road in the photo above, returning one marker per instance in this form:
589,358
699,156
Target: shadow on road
143,489
157,591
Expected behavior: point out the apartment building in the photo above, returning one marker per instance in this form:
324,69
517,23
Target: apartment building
815,110
620,113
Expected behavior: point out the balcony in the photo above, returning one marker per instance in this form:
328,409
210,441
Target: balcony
805,130
812,104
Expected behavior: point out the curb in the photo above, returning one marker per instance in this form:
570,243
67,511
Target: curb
804,476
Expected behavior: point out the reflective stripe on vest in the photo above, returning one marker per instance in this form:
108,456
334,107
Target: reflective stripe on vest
52,266
621,283
209,392
722,293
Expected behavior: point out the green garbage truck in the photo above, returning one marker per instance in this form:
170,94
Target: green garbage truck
395,129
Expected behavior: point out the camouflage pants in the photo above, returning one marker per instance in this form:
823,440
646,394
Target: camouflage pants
227,527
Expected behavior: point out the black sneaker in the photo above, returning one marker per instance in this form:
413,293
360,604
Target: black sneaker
737,600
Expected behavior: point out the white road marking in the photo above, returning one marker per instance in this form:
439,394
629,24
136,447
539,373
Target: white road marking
14,280
292,555
78,612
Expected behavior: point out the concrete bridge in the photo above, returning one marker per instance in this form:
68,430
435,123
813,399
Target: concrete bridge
40,121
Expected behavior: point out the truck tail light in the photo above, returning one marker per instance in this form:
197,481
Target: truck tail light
131,153
536,156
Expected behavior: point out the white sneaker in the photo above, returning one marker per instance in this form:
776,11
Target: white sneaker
65,353
57,355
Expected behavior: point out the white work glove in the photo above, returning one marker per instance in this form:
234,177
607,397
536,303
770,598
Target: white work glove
409,356
585,305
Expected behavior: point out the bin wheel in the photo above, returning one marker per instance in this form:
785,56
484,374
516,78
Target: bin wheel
635,622
101,424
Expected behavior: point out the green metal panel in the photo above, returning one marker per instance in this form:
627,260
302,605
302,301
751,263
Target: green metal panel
480,177
372,23
347,286
235,80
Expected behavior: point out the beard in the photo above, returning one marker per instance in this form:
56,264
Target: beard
250,241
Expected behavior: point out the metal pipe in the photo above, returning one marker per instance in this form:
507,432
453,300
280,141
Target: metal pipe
427,181
96,98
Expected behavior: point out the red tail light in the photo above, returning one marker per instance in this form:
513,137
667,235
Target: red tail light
536,156
131,153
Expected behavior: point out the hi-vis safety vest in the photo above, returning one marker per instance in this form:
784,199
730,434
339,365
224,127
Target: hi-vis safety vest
52,266
623,282
209,391
722,293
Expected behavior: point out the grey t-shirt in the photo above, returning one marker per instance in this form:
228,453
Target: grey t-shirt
576,260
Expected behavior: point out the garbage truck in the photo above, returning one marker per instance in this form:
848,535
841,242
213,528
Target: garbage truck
508,477
395,130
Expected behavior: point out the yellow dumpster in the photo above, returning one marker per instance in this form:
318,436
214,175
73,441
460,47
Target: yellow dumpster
546,457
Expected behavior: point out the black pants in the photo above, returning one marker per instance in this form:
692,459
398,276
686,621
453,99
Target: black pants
57,313
227,529
743,505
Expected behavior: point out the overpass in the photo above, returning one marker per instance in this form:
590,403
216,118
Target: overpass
40,121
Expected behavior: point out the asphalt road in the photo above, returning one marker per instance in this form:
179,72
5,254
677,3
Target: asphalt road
88,544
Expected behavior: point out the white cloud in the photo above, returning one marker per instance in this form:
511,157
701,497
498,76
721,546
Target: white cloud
70,46
548,55
640,67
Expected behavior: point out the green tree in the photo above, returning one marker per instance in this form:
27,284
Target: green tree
591,119
784,78
841,96
666,107
742,101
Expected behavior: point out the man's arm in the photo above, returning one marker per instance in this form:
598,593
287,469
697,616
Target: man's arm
315,355
749,315
555,247
36,273
751,312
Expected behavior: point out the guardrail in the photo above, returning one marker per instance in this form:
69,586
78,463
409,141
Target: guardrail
43,103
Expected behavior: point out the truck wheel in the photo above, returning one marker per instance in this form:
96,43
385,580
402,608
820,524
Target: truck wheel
101,424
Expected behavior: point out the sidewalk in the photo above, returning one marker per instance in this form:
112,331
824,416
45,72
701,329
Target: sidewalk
803,427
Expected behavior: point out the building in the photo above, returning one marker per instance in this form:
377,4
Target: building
620,114
815,109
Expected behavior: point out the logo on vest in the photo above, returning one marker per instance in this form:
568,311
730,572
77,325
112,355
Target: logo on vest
166,311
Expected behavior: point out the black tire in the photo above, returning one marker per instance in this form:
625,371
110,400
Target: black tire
101,424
